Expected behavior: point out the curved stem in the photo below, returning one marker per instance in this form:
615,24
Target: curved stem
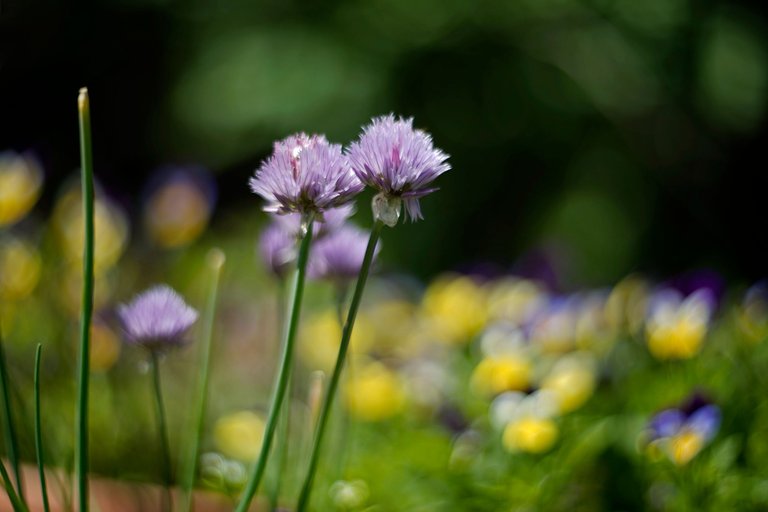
162,428
9,430
81,446
216,262
284,373
39,431
370,251
18,505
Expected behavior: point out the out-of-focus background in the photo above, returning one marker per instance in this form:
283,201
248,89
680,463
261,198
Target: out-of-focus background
606,135
590,140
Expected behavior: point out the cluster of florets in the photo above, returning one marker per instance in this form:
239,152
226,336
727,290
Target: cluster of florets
308,175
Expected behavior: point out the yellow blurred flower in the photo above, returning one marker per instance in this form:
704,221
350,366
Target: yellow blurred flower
178,210
514,300
105,347
320,336
239,435
626,305
110,230
21,180
456,308
373,392
20,267
494,375
70,290
571,382
676,328
554,328
530,434
392,327
684,446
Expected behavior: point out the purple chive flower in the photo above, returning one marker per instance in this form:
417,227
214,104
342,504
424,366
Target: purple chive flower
398,161
156,318
339,255
278,248
305,174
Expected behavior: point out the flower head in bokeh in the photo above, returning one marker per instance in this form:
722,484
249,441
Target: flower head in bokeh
677,325
277,248
21,179
157,318
305,174
339,255
682,432
398,161
526,421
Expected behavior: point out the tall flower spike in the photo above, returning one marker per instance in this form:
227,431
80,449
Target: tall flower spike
157,318
398,161
305,174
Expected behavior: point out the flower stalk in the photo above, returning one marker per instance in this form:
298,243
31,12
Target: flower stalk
216,260
162,429
284,373
322,422
39,430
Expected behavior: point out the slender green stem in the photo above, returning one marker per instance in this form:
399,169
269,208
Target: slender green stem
216,261
81,449
284,373
39,431
18,505
162,429
284,426
370,251
9,431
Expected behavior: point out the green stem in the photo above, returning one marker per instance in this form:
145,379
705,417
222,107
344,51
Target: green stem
18,505
370,251
284,373
9,431
162,429
39,430
216,261
81,450
285,421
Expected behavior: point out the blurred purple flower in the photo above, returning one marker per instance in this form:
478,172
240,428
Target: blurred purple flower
697,416
305,174
156,318
277,247
339,255
397,160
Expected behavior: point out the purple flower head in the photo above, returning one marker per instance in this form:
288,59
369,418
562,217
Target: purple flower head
156,318
277,247
305,174
398,161
339,255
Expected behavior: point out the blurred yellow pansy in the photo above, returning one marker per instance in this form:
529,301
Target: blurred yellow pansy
19,269
239,435
456,308
374,392
530,434
676,327
21,180
571,382
509,372
320,336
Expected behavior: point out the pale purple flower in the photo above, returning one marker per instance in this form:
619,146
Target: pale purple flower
339,255
305,174
397,160
156,318
277,247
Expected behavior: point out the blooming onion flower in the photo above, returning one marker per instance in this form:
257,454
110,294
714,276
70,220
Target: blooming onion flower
305,174
157,318
398,161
